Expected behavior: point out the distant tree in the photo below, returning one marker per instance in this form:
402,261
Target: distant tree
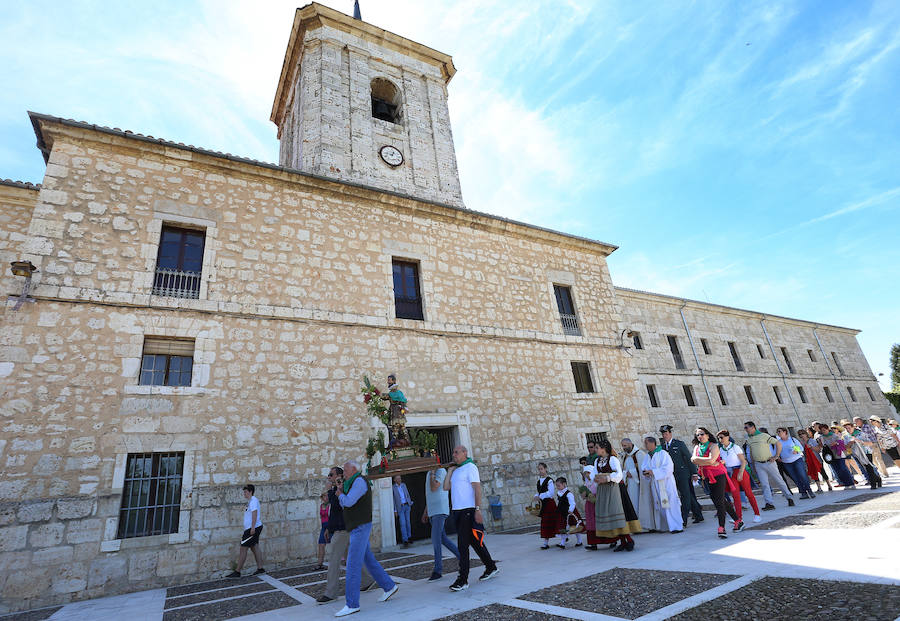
895,368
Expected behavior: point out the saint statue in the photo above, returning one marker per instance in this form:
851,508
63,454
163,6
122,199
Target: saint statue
397,412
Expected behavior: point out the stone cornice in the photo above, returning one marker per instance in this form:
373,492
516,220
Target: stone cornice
314,16
49,128
718,308
19,193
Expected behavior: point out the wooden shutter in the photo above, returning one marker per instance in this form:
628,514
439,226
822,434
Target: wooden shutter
171,347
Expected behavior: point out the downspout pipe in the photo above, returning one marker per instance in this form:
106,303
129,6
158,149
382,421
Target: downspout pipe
833,376
699,366
762,322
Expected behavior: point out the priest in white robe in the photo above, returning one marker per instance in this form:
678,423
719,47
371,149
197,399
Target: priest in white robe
638,490
658,471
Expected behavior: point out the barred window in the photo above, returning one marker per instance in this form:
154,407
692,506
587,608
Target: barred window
151,496
167,362
595,437
179,263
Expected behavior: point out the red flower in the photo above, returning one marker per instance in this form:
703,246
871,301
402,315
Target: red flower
367,398
377,392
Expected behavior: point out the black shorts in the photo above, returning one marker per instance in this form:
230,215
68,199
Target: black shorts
248,540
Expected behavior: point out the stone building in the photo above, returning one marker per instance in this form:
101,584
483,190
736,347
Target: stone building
202,320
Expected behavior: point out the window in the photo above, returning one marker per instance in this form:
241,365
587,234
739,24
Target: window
802,394
777,392
812,356
871,394
676,352
385,101
721,390
836,363
852,394
705,344
762,354
828,394
651,392
151,495
179,263
167,362
566,310
751,399
787,360
638,343
689,395
582,373
738,365
407,300
594,437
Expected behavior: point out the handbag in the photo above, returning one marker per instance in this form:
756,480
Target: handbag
827,455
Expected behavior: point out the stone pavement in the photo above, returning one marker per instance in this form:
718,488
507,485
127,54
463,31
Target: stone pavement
783,567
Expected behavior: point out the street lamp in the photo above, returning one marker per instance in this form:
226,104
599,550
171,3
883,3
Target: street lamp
25,269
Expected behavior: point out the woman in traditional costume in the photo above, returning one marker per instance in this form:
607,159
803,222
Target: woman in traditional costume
614,516
546,493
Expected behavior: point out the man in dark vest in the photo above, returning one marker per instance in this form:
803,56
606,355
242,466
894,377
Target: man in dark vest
339,540
685,474
355,497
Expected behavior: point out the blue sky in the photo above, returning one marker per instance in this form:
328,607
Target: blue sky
744,153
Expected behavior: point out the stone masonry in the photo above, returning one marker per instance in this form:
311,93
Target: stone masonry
295,304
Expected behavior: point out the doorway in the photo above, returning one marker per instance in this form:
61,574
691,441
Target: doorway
415,483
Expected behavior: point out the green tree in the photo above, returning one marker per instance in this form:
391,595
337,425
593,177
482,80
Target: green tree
895,368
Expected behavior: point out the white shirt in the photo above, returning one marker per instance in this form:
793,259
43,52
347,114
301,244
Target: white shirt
252,506
731,455
461,493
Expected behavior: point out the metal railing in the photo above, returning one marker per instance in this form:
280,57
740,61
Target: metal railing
570,324
176,283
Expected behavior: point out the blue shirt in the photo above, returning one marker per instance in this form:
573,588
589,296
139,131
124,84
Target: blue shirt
357,491
438,502
787,450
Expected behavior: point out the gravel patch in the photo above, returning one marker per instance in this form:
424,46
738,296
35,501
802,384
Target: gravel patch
813,600
209,596
628,593
228,609
31,615
197,587
832,520
501,612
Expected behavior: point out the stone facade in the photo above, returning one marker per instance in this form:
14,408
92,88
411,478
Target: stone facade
295,304
811,348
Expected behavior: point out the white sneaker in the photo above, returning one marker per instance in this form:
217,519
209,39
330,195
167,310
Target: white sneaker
346,610
756,518
387,594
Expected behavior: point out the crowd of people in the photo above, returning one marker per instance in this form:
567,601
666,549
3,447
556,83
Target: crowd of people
651,488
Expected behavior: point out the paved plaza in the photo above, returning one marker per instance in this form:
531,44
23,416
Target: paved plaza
835,557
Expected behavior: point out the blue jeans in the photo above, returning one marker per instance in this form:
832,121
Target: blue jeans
359,553
405,528
842,473
439,537
797,471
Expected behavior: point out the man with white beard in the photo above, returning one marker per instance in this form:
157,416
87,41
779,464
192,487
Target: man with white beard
632,457
658,473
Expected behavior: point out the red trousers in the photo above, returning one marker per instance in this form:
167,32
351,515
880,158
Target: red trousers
736,487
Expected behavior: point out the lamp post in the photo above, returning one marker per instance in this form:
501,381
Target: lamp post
25,269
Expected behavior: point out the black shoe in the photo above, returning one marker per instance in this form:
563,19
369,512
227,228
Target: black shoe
459,585
545,547
769,507
435,576
324,600
738,527
620,547
578,545
675,532
790,502
560,546
261,570
489,573
234,574
698,520
592,548
629,546
612,545
803,496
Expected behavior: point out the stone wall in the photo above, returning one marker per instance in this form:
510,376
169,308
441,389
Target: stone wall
17,202
296,304
656,316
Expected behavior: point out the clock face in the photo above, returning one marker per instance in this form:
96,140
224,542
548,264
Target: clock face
391,155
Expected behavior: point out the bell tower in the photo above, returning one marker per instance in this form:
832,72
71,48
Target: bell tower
359,104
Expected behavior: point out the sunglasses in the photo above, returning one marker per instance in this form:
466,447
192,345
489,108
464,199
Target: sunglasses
700,433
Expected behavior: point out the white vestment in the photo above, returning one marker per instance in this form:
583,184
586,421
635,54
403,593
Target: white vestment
638,490
665,510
